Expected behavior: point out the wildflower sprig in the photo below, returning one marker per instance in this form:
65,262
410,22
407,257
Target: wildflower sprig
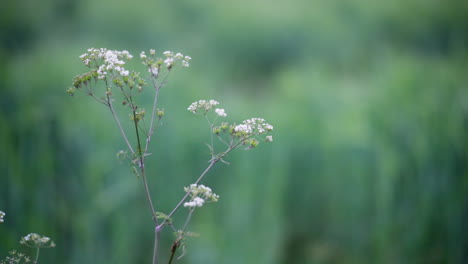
32,240
247,133
109,67
37,241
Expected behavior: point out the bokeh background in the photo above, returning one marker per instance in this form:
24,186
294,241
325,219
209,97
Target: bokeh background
369,100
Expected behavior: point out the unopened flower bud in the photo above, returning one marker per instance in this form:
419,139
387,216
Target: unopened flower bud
216,130
253,143
224,126
71,91
160,113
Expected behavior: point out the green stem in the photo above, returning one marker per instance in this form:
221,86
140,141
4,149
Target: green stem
37,255
145,185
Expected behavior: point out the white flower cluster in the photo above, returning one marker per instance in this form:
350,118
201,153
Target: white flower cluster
15,257
220,112
254,126
196,202
171,59
199,194
36,240
2,214
205,106
112,60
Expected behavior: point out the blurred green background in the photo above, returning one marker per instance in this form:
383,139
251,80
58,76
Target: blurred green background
369,100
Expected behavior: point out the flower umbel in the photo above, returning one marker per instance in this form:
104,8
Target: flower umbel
109,61
2,214
253,126
203,106
37,241
199,195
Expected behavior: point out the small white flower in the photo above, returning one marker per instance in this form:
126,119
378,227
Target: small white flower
213,102
2,214
142,55
169,62
153,70
102,72
152,52
196,202
179,56
168,53
269,138
185,64
127,54
243,128
220,112
124,72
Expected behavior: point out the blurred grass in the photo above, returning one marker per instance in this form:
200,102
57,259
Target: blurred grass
368,99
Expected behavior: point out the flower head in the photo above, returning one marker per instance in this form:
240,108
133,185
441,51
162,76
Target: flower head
220,112
196,202
199,195
107,60
203,106
153,70
37,241
253,126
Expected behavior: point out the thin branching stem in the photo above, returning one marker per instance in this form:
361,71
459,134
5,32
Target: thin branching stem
153,112
188,219
116,118
210,166
212,163
141,164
